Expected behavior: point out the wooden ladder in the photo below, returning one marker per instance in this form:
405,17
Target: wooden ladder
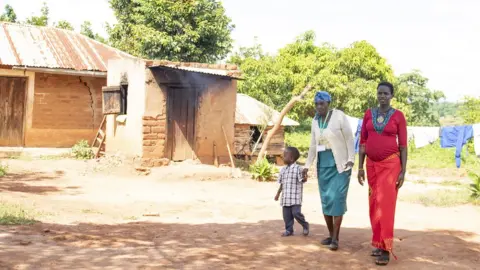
98,144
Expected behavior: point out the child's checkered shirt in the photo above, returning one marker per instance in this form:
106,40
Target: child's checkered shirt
292,186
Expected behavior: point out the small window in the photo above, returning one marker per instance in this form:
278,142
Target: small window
123,98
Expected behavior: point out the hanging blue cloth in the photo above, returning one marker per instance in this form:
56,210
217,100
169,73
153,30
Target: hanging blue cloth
358,134
456,137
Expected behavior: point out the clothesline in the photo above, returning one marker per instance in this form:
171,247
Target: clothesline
450,136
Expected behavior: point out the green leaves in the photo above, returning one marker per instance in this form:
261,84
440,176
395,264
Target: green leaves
350,74
263,171
469,110
194,31
8,15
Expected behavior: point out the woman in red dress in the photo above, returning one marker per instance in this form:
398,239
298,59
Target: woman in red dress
384,142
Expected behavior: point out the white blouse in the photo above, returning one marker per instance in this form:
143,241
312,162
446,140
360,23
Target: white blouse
338,137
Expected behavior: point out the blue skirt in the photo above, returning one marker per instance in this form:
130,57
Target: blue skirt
333,186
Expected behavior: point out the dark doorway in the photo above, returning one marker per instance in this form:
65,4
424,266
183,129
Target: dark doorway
12,110
181,112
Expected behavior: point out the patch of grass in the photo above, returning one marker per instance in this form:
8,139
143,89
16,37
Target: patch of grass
441,198
130,218
451,183
3,169
13,214
435,157
90,211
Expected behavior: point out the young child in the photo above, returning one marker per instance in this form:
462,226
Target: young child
291,187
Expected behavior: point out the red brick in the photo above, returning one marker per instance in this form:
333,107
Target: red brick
146,130
149,143
148,148
158,129
150,136
148,118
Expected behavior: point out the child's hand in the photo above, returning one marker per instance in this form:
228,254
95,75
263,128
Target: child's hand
276,197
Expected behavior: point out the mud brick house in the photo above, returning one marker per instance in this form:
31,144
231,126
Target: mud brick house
50,85
253,119
161,111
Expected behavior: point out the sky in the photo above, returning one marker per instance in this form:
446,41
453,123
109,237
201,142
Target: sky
441,38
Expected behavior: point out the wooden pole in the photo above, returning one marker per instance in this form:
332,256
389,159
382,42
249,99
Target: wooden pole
228,147
277,125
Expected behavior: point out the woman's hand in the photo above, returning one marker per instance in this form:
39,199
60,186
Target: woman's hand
349,164
361,176
305,174
400,180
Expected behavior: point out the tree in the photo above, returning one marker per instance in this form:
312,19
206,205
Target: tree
8,15
63,25
41,20
350,75
86,29
421,100
173,30
470,111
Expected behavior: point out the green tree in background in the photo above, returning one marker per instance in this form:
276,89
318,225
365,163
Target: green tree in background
63,25
174,30
470,110
350,75
8,15
86,29
41,20
421,100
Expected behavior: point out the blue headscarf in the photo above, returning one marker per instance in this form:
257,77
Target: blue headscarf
322,96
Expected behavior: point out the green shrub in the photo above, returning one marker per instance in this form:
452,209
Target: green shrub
263,170
12,214
475,186
3,169
300,140
82,150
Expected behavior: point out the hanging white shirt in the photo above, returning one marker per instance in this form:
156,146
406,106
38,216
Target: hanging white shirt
424,136
476,138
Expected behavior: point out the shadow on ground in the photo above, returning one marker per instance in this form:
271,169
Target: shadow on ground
30,182
143,245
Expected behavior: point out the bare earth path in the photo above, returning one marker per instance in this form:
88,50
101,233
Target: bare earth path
164,221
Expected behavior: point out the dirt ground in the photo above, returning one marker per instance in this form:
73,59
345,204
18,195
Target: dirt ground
99,216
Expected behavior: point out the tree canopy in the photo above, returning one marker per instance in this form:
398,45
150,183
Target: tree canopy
8,15
41,20
350,75
63,25
173,30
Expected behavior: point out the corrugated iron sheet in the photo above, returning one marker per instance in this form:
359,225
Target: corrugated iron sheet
250,111
217,72
46,47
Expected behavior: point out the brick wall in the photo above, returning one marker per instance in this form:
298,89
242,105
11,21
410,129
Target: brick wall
66,109
154,141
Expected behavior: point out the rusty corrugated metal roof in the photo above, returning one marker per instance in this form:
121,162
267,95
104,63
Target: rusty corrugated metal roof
250,111
226,70
47,47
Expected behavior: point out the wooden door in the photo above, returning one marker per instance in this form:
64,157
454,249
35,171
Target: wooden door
182,110
12,109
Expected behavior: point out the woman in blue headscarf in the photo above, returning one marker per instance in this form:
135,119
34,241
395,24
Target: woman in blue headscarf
332,144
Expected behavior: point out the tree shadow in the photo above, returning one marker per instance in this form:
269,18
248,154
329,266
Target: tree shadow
148,245
22,182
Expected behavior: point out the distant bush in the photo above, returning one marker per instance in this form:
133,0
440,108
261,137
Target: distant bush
300,140
82,150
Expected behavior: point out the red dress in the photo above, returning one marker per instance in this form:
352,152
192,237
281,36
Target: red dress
383,169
